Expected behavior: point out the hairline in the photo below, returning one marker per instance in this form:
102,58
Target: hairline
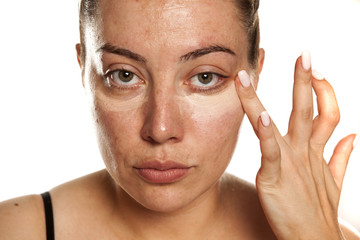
252,32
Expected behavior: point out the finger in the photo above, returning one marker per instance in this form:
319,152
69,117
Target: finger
333,191
300,123
249,100
340,159
271,154
329,114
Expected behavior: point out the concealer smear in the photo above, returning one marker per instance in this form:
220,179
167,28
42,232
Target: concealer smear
205,106
222,107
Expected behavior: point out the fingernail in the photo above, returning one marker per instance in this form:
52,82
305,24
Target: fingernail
317,75
356,140
306,60
265,119
244,79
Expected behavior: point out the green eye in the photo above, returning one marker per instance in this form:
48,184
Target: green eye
122,78
205,78
207,82
125,76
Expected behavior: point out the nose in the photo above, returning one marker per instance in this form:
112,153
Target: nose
163,121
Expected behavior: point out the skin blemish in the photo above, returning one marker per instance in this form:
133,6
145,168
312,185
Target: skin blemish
16,204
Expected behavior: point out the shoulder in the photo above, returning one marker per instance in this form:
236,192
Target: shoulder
74,203
241,194
22,218
244,205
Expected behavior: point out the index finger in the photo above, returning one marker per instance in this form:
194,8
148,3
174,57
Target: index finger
249,100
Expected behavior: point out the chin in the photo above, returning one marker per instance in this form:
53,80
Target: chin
165,198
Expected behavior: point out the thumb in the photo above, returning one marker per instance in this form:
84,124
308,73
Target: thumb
340,159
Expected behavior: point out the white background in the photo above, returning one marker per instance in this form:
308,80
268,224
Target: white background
46,137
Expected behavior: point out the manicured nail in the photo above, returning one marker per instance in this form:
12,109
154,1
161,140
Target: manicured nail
244,79
317,75
306,60
356,140
265,119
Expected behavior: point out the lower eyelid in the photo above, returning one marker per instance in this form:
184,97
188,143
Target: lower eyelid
209,90
125,87
111,84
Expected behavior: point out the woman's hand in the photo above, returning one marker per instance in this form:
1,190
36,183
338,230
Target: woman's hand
298,190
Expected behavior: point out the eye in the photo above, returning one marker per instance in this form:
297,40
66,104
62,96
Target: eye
205,79
122,78
207,82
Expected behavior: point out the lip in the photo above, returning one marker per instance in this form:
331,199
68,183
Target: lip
162,172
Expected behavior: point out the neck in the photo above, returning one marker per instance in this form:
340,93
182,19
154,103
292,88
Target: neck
194,219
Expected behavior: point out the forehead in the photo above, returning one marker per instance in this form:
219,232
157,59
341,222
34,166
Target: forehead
170,23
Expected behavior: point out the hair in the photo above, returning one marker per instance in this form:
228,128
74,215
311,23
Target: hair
88,10
248,12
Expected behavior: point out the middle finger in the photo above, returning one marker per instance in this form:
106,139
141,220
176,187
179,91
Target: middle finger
300,123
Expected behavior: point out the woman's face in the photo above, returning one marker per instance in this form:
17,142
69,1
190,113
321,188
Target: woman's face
160,76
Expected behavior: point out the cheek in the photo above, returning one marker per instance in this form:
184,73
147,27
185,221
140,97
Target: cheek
217,115
219,125
216,123
116,130
117,127
219,133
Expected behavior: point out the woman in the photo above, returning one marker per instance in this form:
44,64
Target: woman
169,84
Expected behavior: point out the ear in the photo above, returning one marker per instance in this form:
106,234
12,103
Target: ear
261,60
260,66
78,53
79,59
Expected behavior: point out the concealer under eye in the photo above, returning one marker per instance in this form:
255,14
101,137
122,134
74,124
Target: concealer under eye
122,79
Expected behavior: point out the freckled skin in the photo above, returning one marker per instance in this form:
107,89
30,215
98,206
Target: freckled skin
166,123
163,118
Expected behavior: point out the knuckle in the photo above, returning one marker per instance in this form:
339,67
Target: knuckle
250,93
267,183
304,113
316,148
266,136
272,152
246,93
332,118
303,77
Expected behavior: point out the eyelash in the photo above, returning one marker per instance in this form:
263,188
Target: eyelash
112,83
205,90
208,90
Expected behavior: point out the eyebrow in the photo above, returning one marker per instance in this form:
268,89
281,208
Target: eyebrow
107,47
203,51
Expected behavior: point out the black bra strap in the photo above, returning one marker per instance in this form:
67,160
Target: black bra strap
49,218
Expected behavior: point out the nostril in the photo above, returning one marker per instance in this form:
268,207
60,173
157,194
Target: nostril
173,139
159,137
150,139
159,141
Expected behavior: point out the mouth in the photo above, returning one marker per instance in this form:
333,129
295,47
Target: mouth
162,172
